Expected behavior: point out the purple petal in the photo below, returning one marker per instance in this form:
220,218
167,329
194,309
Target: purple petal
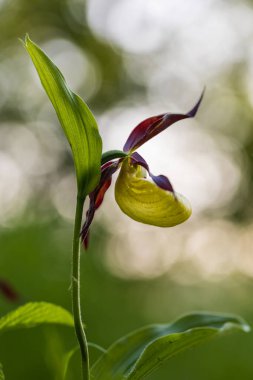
153,125
160,180
97,197
136,158
163,182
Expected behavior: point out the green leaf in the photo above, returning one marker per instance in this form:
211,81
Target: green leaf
2,377
136,355
111,155
76,119
33,314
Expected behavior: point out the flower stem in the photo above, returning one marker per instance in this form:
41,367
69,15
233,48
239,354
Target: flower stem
75,282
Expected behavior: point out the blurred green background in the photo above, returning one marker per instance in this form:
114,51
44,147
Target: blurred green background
130,59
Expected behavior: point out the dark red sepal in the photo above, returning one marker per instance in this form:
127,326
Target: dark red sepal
97,197
154,125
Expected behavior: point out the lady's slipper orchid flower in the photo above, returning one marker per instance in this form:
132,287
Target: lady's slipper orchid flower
154,203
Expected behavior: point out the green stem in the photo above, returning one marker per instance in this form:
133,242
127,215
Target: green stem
76,304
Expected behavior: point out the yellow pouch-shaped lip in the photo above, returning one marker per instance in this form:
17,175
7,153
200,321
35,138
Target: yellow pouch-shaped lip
145,202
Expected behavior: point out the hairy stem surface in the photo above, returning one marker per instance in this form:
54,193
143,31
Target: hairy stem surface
75,281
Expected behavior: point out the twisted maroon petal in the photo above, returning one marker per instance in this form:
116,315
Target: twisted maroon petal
160,180
97,197
153,125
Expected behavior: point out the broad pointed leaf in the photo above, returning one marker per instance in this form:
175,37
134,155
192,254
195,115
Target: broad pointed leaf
33,314
136,355
77,120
